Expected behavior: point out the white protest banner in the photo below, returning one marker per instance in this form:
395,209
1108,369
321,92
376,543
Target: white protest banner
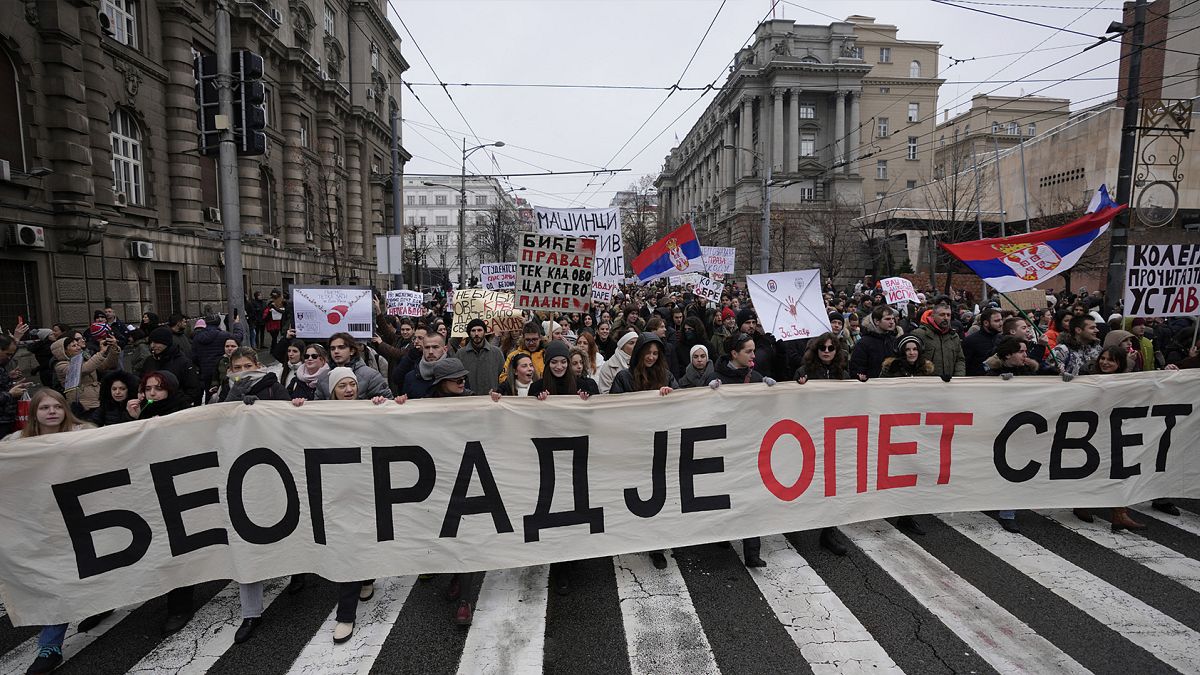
113,516
498,276
1162,280
718,259
897,290
405,303
602,291
789,304
555,272
495,308
603,225
708,289
320,311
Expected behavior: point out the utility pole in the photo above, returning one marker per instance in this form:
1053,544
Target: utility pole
397,214
765,235
1000,188
1114,288
1024,184
227,169
462,218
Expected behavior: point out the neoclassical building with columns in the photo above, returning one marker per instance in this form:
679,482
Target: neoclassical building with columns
831,113
106,197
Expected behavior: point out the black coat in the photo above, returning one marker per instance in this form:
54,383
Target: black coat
110,411
172,361
208,346
266,388
583,383
976,348
871,350
727,374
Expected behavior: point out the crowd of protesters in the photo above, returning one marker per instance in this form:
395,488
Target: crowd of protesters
651,338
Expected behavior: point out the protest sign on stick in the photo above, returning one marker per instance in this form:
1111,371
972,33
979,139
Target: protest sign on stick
320,311
789,304
498,276
495,308
897,290
405,303
1024,301
555,272
602,291
708,289
718,259
1162,280
603,225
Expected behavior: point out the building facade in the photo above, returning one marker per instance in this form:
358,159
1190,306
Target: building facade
992,124
820,114
431,210
98,121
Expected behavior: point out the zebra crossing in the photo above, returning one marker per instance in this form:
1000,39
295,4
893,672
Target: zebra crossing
1063,597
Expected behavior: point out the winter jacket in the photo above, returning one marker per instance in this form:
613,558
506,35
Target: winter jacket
695,378
618,362
874,346
895,366
483,366
581,384
727,374
1077,359
623,382
208,346
820,371
402,368
944,350
770,355
538,356
976,348
136,354
88,391
370,382
171,361
109,411
266,388
182,341
993,365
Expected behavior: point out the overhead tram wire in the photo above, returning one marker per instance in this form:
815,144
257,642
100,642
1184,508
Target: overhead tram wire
1030,22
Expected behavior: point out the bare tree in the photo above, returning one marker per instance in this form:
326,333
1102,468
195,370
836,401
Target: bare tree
326,213
878,229
828,235
951,205
496,235
416,250
639,217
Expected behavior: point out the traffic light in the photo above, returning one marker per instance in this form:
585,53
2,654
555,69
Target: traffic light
249,111
206,99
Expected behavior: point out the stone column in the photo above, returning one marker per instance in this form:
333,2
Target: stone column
178,30
99,107
746,158
293,175
793,133
356,221
777,131
855,135
839,131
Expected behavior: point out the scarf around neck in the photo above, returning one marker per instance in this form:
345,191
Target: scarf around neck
311,378
427,367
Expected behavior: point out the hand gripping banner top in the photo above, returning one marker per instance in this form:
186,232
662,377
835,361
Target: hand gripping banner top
102,518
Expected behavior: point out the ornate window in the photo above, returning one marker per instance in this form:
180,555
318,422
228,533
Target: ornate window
122,17
1032,129
914,112
330,19
1014,129
914,69
881,124
808,144
374,57
808,111
12,124
302,22
126,140
912,147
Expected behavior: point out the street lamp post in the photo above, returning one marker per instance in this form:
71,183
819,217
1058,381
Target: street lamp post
765,230
462,206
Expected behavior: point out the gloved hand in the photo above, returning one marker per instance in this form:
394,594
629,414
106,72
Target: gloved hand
1006,376
1067,377
714,384
249,399
945,378
769,381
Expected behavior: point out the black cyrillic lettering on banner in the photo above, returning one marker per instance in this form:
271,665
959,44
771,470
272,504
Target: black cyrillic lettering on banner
247,529
1063,442
387,496
690,467
1121,440
1169,412
474,460
1000,447
648,508
174,504
80,526
542,517
313,459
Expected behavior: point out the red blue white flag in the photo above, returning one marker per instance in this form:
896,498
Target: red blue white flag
1025,260
675,254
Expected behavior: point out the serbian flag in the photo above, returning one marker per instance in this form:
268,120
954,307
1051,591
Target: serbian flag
1025,260
675,254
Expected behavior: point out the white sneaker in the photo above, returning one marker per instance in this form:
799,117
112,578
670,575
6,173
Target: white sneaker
342,631
366,592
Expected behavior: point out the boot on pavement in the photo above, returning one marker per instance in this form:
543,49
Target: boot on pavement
1122,521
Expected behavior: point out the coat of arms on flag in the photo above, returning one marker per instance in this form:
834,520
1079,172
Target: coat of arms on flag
1029,261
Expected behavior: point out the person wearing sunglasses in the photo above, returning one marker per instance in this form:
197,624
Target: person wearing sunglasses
909,361
314,367
825,359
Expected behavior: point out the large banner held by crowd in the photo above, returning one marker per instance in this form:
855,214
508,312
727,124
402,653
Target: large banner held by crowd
1162,280
789,304
494,308
718,259
555,273
320,311
107,517
498,276
603,225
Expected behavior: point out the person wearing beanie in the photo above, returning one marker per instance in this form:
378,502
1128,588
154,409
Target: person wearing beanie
165,356
909,359
482,359
618,362
558,379
699,369
342,384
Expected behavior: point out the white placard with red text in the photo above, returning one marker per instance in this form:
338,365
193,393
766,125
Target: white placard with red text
897,290
789,304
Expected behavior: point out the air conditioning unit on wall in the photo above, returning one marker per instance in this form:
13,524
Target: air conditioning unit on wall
120,199
141,250
276,244
213,214
340,162
30,236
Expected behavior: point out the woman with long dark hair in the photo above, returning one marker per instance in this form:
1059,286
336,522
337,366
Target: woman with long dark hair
521,373
558,378
648,369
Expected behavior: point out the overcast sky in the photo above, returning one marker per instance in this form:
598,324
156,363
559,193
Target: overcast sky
648,43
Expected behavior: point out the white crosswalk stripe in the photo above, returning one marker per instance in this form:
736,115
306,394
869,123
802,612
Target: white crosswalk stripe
829,635
830,620
1168,640
1166,561
509,624
1186,520
372,625
662,631
996,635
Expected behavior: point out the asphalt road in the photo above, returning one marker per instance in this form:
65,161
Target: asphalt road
967,597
